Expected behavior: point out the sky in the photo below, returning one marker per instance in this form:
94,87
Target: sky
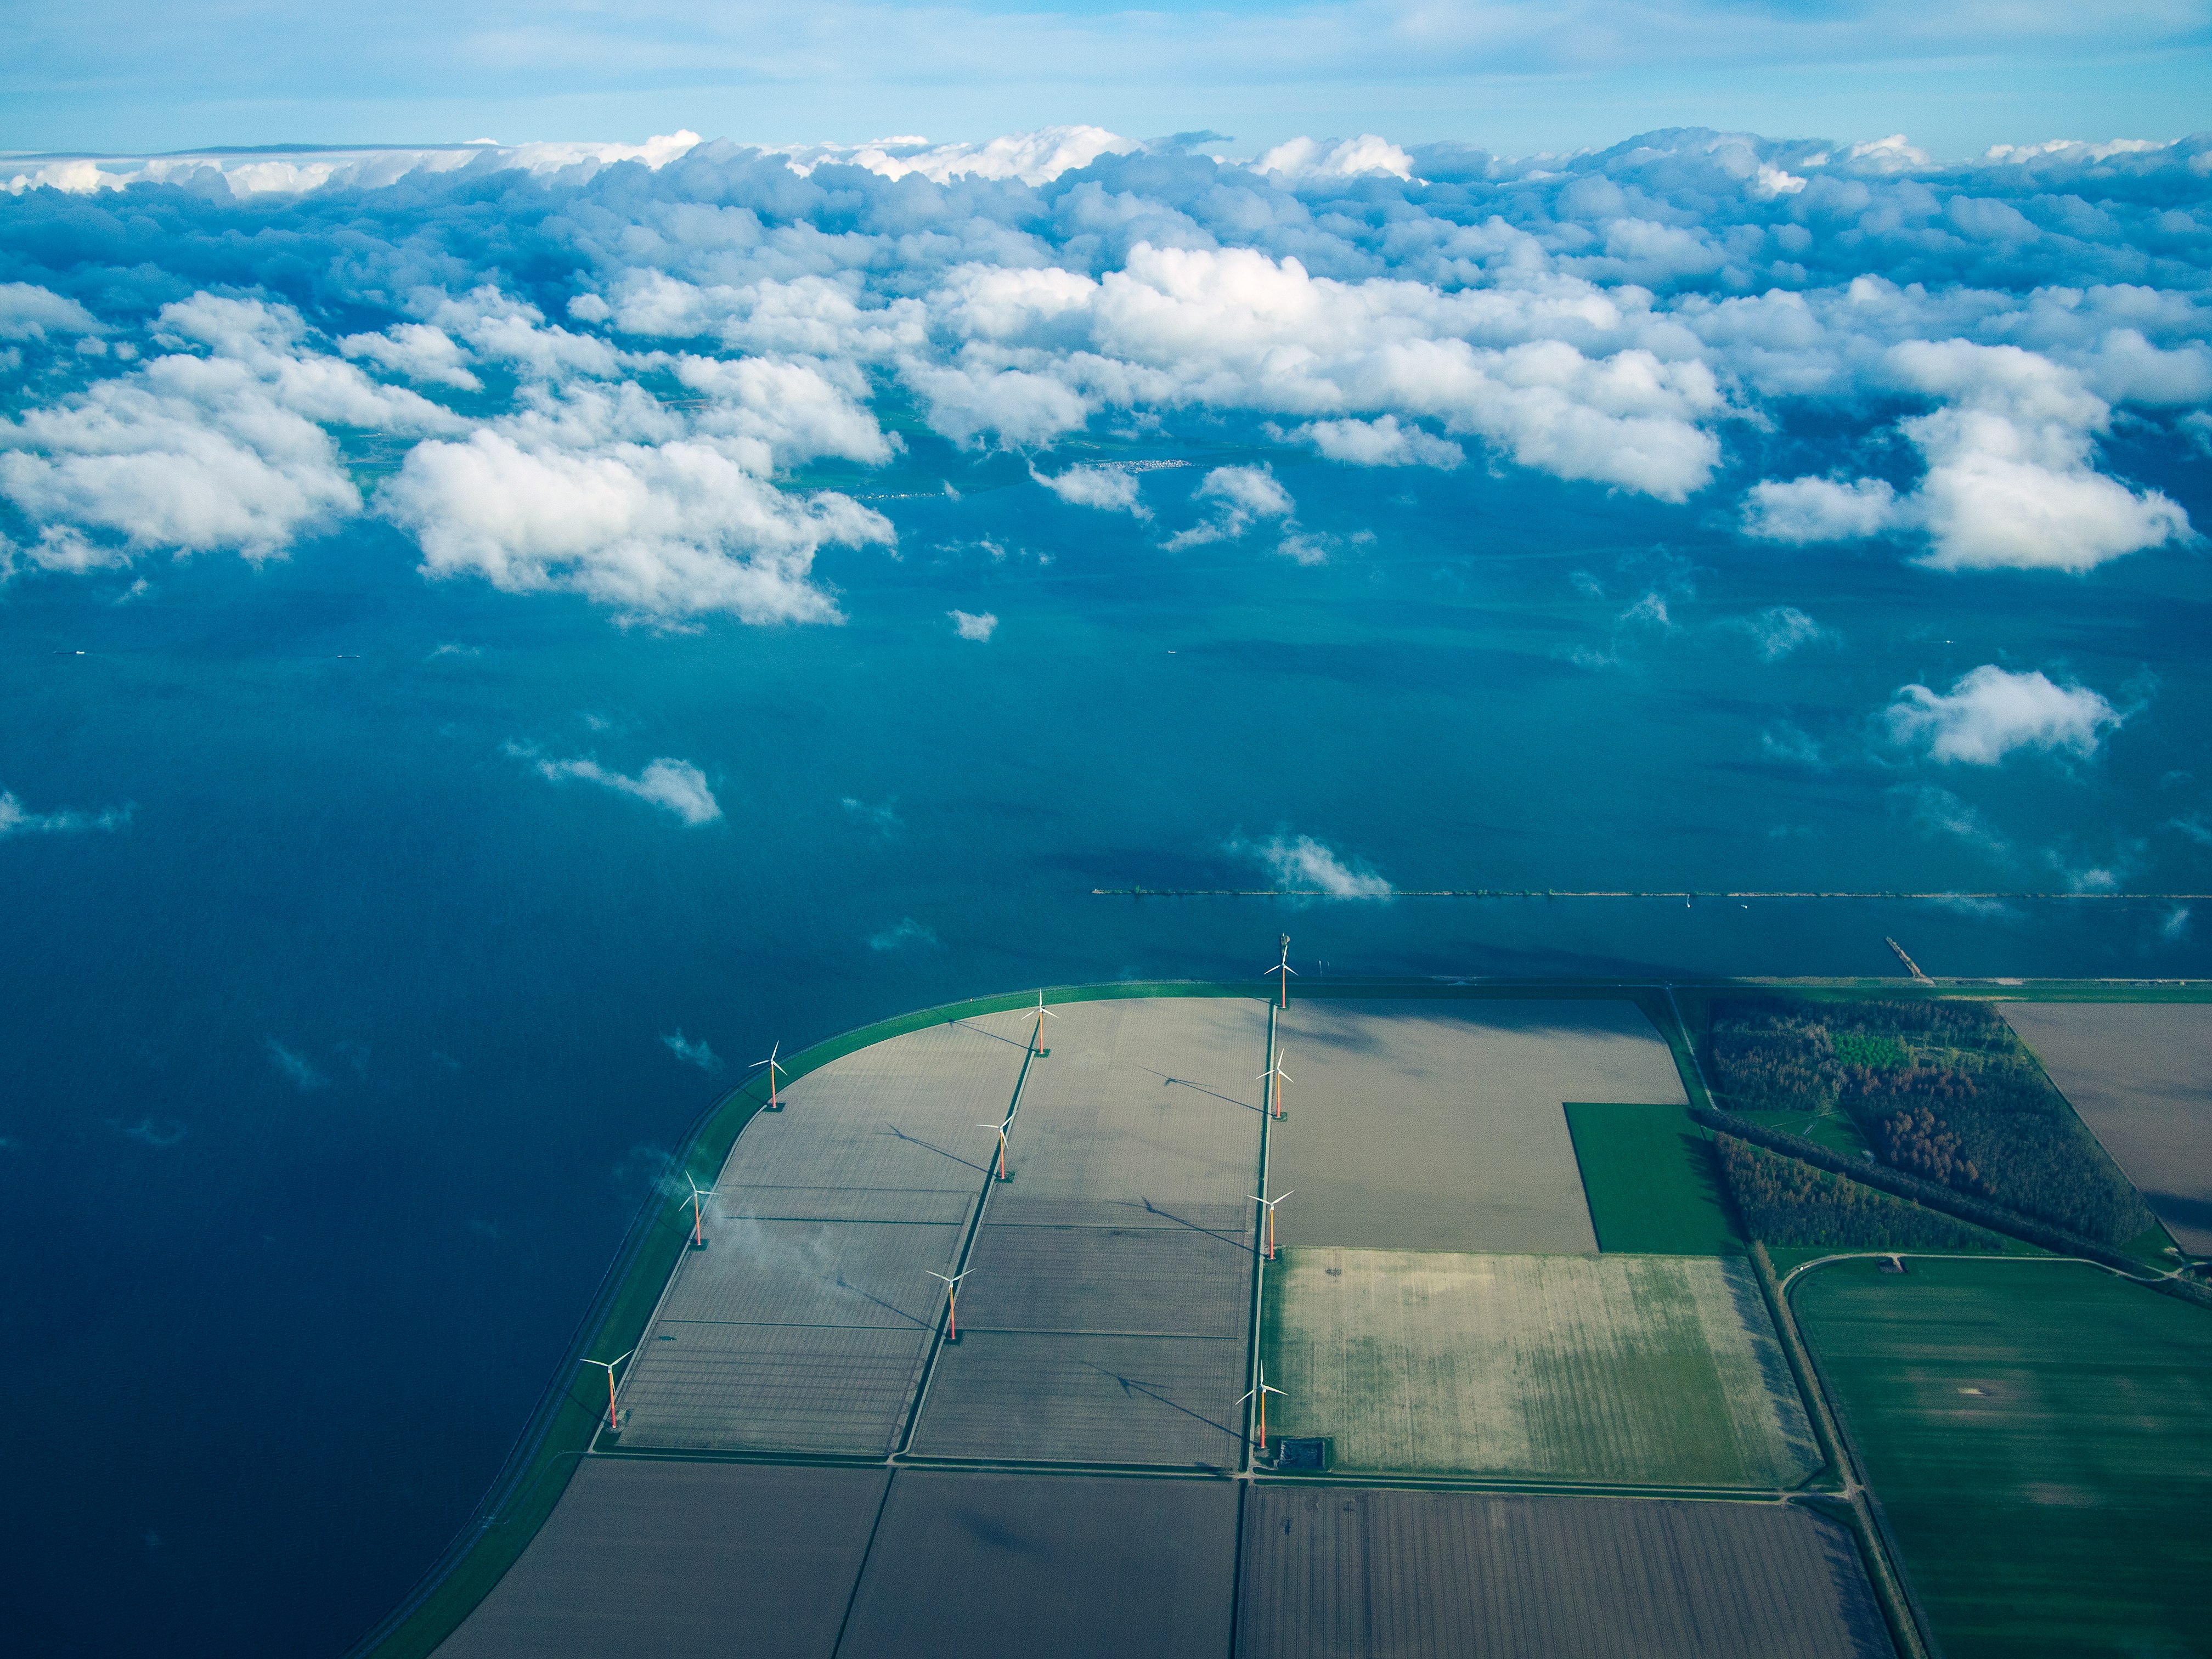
1516,76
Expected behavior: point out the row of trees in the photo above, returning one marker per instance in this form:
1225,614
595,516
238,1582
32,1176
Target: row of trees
1783,1202
1963,1102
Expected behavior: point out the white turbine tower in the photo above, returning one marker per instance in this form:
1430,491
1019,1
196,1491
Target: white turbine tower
614,1422
698,1236
952,1299
773,1069
1040,1014
1004,1173
1284,969
1269,1205
1275,1087
1262,1393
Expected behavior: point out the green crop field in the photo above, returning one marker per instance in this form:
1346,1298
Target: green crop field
1661,1371
1650,1178
2040,1434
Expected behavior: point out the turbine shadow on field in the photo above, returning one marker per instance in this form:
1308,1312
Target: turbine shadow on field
1011,1042
1173,1082
845,1284
927,1146
1232,1240
1130,1385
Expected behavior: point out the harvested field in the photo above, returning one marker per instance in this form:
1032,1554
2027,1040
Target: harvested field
1146,1115
805,1323
665,1560
1659,1370
1651,1181
2040,1434
781,1388
1441,1125
1106,1318
1069,1399
2140,1075
1339,1573
896,1118
1165,1281
991,1567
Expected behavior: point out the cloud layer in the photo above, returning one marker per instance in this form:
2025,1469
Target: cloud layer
609,369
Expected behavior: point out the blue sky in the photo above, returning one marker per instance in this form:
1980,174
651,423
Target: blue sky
1514,76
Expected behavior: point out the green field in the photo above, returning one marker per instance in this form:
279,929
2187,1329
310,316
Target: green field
1634,1369
1650,1180
2040,1434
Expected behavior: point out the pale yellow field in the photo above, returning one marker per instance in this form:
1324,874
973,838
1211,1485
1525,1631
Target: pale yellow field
1660,1371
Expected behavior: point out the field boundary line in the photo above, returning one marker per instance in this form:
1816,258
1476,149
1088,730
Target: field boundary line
1801,1365
1914,1632
903,1447
852,1595
1254,1335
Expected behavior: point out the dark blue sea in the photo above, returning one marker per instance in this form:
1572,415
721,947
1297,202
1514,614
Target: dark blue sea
339,1059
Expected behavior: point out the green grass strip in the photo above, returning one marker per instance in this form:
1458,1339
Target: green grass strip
1649,1174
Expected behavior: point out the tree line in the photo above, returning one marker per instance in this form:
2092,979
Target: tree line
1940,1089
1783,1202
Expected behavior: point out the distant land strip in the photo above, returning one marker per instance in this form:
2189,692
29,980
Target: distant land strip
1550,893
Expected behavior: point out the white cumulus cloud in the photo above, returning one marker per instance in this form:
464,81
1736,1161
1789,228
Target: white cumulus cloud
1113,489
1990,712
674,786
1238,496
973,625
2011,480
1379,442
666,531
1301,862
1801,510
28,312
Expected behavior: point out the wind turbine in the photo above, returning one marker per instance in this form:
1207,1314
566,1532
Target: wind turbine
1004,1173
1280,1077
1262,1393
1270,1203
698,1237
774,1105
1284,969
1040,1014
952,1299
608,1366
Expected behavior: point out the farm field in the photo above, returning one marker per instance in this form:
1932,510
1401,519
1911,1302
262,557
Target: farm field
1650,1179
647,1560
1106,1315
1440,1125
1636,1369
2040,1434
805,1323
996,1566
2140,1075
1342,1573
